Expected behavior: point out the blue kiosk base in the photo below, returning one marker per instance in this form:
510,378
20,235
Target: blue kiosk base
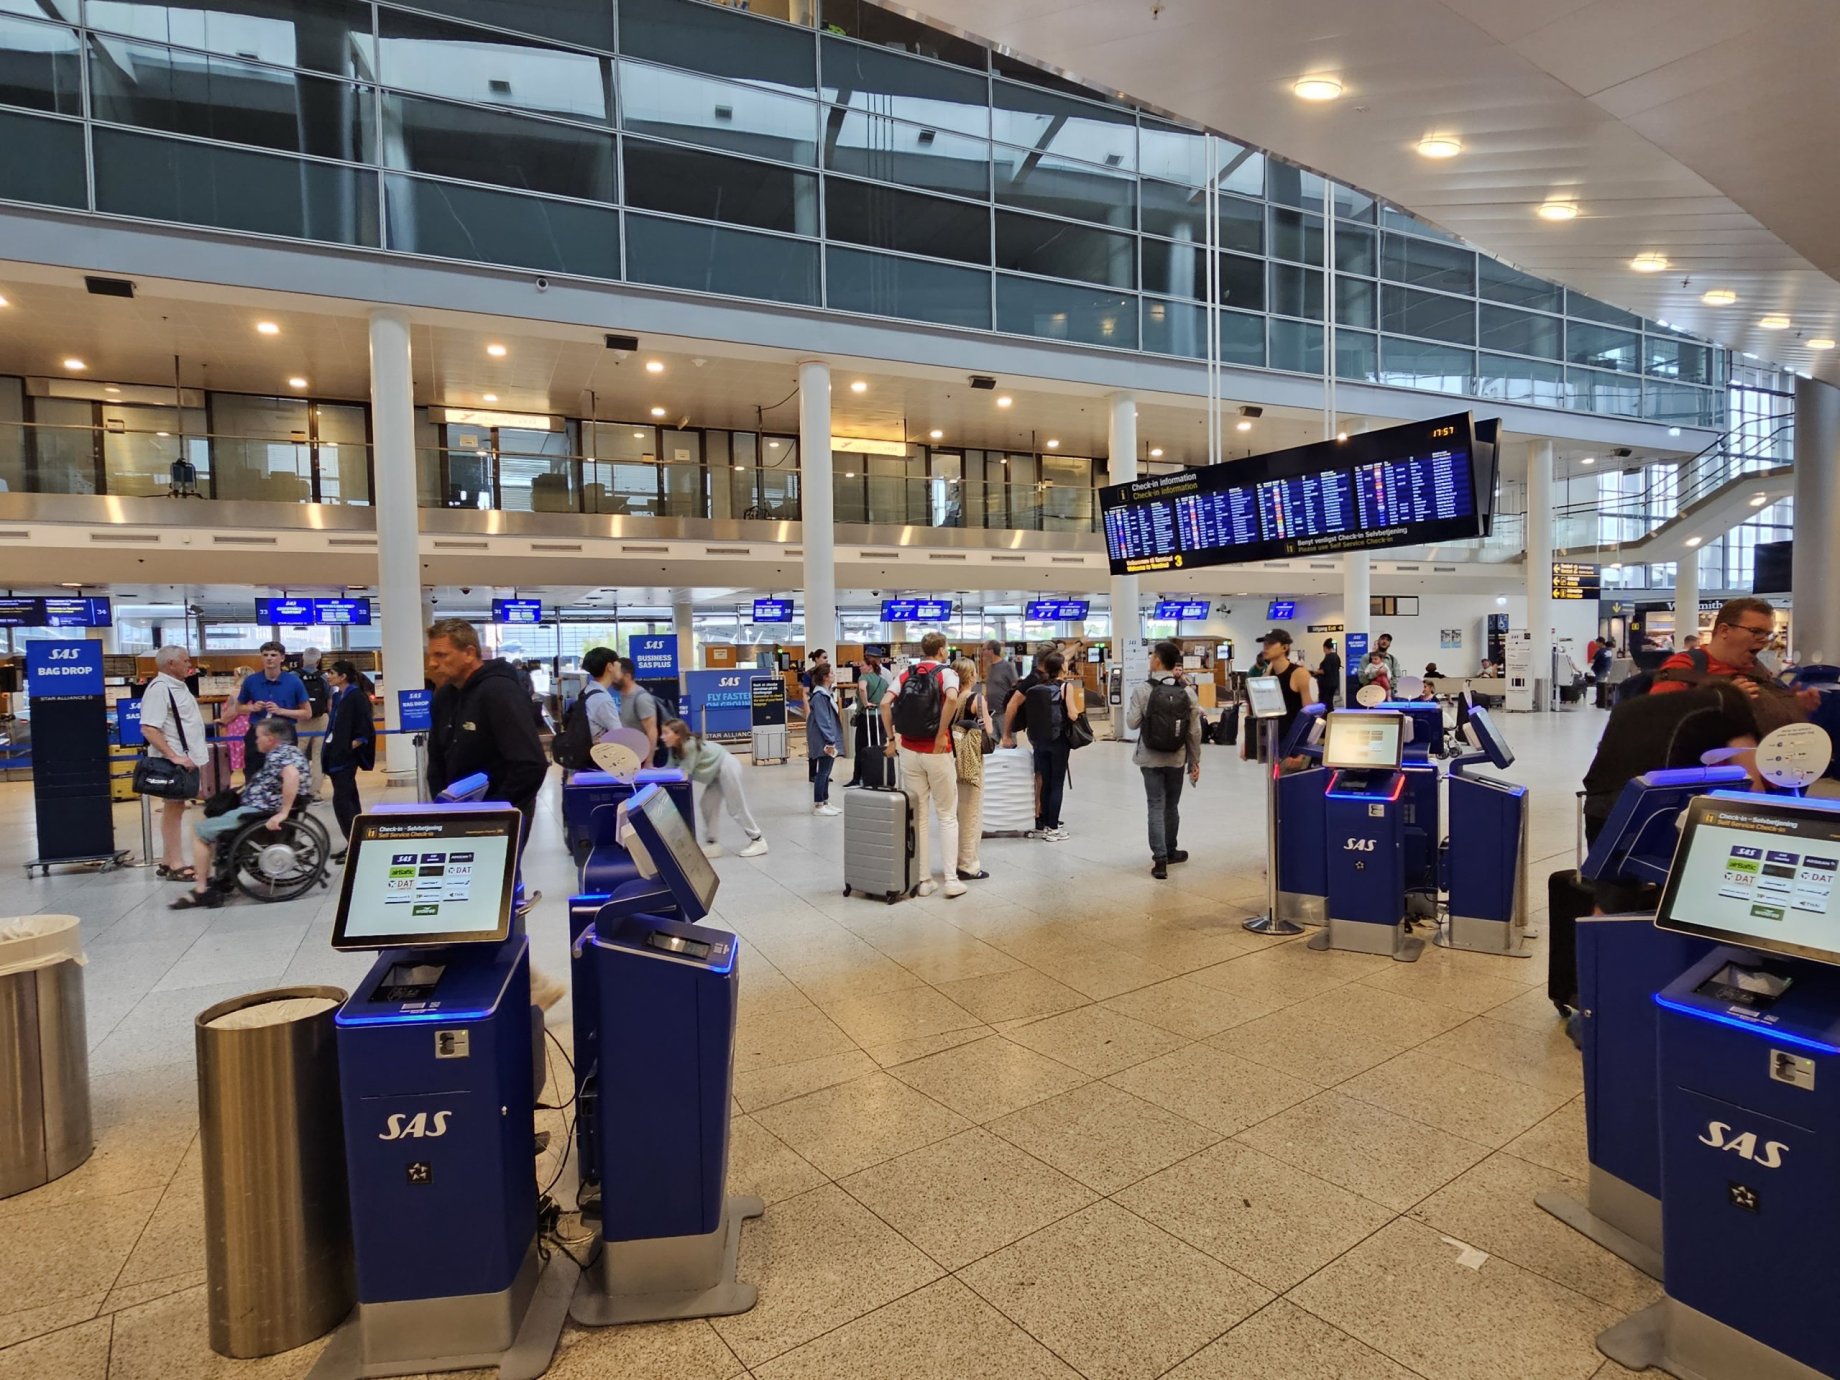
1687,1344
669,1279
1616,1215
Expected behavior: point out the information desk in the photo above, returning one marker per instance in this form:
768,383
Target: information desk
438,1080
1749,1044
655,1060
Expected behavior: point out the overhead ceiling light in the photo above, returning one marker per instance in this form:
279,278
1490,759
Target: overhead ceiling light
859,386
1820,342
4,302
1440,146
1244,424
1775,321
267,328
1693,542
849,474
1558,210
1003,401
297,382
1318,88
112,389
935,434
1588,460
638,436
772,445
1673,431
1616,565
1156,452
1718,297
1341,436
1760,500
658,412
1054,445
654,366
489,397
74,363
1650,262
496,351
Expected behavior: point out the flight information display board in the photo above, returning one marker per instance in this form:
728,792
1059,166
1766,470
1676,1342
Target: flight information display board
773,610
1405,486
1182,608
1058,610
916,610
1281,610
523,612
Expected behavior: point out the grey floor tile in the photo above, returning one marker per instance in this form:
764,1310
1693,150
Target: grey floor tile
1282,1342
1102,1136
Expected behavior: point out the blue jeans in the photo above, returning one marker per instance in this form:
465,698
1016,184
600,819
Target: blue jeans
821,778
1163,792
1051,767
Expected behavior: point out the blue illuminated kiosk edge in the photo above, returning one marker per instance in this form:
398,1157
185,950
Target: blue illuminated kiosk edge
1266,700
656,995
1302,895
1749,1082
438,1071
1485,854
1365,861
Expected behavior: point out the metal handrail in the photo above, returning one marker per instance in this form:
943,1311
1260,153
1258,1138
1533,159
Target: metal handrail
1702,479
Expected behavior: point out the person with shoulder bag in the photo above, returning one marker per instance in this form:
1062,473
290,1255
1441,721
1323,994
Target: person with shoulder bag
174,729
350,745
1045,708
974,739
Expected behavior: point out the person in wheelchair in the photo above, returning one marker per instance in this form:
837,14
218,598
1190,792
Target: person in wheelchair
268,802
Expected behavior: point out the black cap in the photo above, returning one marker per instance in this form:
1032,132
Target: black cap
1275,635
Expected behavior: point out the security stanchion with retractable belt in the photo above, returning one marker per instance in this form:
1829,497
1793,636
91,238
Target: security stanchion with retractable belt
1268,710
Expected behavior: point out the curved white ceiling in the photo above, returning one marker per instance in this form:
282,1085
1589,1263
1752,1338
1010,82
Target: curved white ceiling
1697,129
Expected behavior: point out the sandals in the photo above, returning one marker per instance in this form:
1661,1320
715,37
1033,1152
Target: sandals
198,900
175,874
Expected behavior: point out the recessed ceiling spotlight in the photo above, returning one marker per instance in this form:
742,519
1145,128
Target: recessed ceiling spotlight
658,412
1341,436
849,474
1673,431
490,397
1718,297
497,351
1775,321
1156,452
1003,401
1616,565
1650,262
4,302
112,390
267,328
1318,88
1558,210
772,445
1244,424
859,386
297,382
1760,500
654,366
935,434
1588,460
1054,445
1820,342
1693,542
1440,146
75,364
638,436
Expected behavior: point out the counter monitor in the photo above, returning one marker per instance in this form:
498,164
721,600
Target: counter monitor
1364,740
428,878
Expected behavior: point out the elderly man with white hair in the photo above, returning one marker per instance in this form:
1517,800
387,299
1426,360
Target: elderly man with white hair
174,728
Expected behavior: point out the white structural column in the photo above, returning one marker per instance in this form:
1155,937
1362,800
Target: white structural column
815,503
1127,601
1686,595
1817,522
399,561
1357,594
1539,568
683,623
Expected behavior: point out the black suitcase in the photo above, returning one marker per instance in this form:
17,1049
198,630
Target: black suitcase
1568,898
1226,732
874,767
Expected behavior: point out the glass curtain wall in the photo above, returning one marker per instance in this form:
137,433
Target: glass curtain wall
826,154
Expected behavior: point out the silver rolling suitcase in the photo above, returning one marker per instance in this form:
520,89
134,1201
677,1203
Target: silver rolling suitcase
878,843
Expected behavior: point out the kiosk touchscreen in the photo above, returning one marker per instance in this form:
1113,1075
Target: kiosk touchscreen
428,879
1757,872
1485,737
1364,740
1267,697
652,830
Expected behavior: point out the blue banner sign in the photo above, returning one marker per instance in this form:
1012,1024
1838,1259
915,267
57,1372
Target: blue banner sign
64,670
1281,610
415,710
655,657
128,722
525,612
720,704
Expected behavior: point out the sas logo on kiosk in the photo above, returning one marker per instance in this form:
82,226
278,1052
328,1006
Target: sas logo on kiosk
1718,1136
421,1126
1359,845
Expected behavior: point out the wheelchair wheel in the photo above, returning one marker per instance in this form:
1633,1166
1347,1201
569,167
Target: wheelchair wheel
280,864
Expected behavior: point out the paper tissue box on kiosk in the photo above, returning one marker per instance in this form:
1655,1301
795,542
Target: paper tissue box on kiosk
656,997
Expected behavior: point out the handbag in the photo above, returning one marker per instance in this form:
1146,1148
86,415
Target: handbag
159,776
1078,731
969,748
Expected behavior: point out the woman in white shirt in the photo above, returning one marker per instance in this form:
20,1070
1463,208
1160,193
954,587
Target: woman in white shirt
174,728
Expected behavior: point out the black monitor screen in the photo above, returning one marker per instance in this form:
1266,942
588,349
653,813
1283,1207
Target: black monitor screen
428,877
695,881
1407,485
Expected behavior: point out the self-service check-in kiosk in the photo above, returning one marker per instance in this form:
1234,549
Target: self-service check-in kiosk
1484,859
591,803
1365,823
655,1060
1623,960
436,1065
1420,806
1293,817
1749,1085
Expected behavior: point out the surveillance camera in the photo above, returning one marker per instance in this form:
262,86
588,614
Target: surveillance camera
466,589
542,284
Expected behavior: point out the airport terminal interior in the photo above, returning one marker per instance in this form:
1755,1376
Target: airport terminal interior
552,445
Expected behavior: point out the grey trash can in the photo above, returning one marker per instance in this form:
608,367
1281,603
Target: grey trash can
277,1216
44,1052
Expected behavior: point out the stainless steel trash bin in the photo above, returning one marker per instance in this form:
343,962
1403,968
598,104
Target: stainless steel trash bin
44,1052
278,1257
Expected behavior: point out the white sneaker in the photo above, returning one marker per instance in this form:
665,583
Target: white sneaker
712,849
954,887
545,991
754,849
826,810
926,888
1055,835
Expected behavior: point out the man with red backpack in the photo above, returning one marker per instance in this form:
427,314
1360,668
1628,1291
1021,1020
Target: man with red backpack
917,712
1740,630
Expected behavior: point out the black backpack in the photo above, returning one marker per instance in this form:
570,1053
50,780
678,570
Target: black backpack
319,693
918,707
1045,712
574,741
1166,717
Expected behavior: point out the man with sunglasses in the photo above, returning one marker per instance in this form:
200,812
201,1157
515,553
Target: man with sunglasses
1742,629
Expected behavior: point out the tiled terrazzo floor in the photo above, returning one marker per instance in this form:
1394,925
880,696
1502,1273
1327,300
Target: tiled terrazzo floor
1077,1123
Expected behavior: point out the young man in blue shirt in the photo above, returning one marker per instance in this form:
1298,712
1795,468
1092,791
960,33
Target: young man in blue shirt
270,693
